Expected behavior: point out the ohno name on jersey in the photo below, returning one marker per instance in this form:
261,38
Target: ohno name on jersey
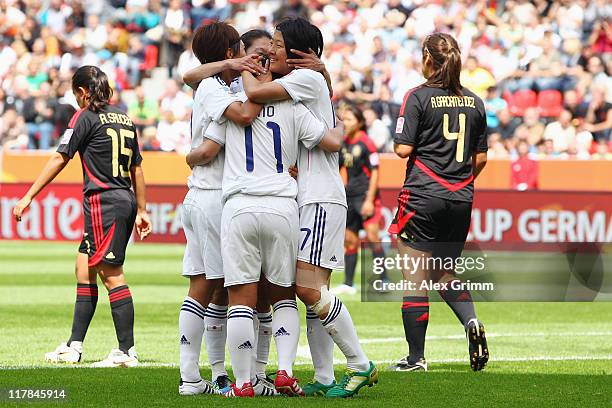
112,117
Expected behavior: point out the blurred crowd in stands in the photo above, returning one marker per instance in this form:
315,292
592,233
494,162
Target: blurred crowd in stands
542,67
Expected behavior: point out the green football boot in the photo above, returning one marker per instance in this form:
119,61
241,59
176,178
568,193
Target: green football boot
315,388
353,381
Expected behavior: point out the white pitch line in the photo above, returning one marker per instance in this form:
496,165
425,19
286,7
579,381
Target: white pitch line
489,335
304,351
447,360
515,359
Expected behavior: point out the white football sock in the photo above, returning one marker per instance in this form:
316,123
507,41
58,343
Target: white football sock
264,335
215,323
240,340
339,325
191,329
254,353
286,329
321,349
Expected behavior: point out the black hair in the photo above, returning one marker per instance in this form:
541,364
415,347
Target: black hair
251,36
445,55
96,82
300,34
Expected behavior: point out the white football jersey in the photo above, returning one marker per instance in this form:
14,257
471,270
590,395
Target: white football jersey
211,99
319,178
257,157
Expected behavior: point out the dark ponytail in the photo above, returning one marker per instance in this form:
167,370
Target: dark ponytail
445,55
96,82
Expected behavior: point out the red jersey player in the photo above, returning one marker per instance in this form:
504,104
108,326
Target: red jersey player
105,139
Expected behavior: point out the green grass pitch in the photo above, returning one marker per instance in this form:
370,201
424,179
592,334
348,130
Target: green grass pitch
543,354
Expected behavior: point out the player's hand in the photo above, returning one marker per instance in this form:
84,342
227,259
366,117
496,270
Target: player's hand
143,224
367,209
189,160
20,207
267,75
250,63
308,60
293,172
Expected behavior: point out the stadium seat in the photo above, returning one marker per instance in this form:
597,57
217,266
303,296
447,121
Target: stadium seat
550,103
521,100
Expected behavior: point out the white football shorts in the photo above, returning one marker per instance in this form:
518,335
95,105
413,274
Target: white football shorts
259,235
322,229
201,218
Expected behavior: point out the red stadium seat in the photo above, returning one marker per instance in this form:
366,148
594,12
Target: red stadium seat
521,100
550,103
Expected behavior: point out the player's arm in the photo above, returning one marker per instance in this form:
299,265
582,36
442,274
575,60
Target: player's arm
311,61
402,150
333,138
203,154
367,209
214,140
479,157
313,132
479,161
242,113
262,92
143,223
54,166
406,129
219,101
250,63
71,141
